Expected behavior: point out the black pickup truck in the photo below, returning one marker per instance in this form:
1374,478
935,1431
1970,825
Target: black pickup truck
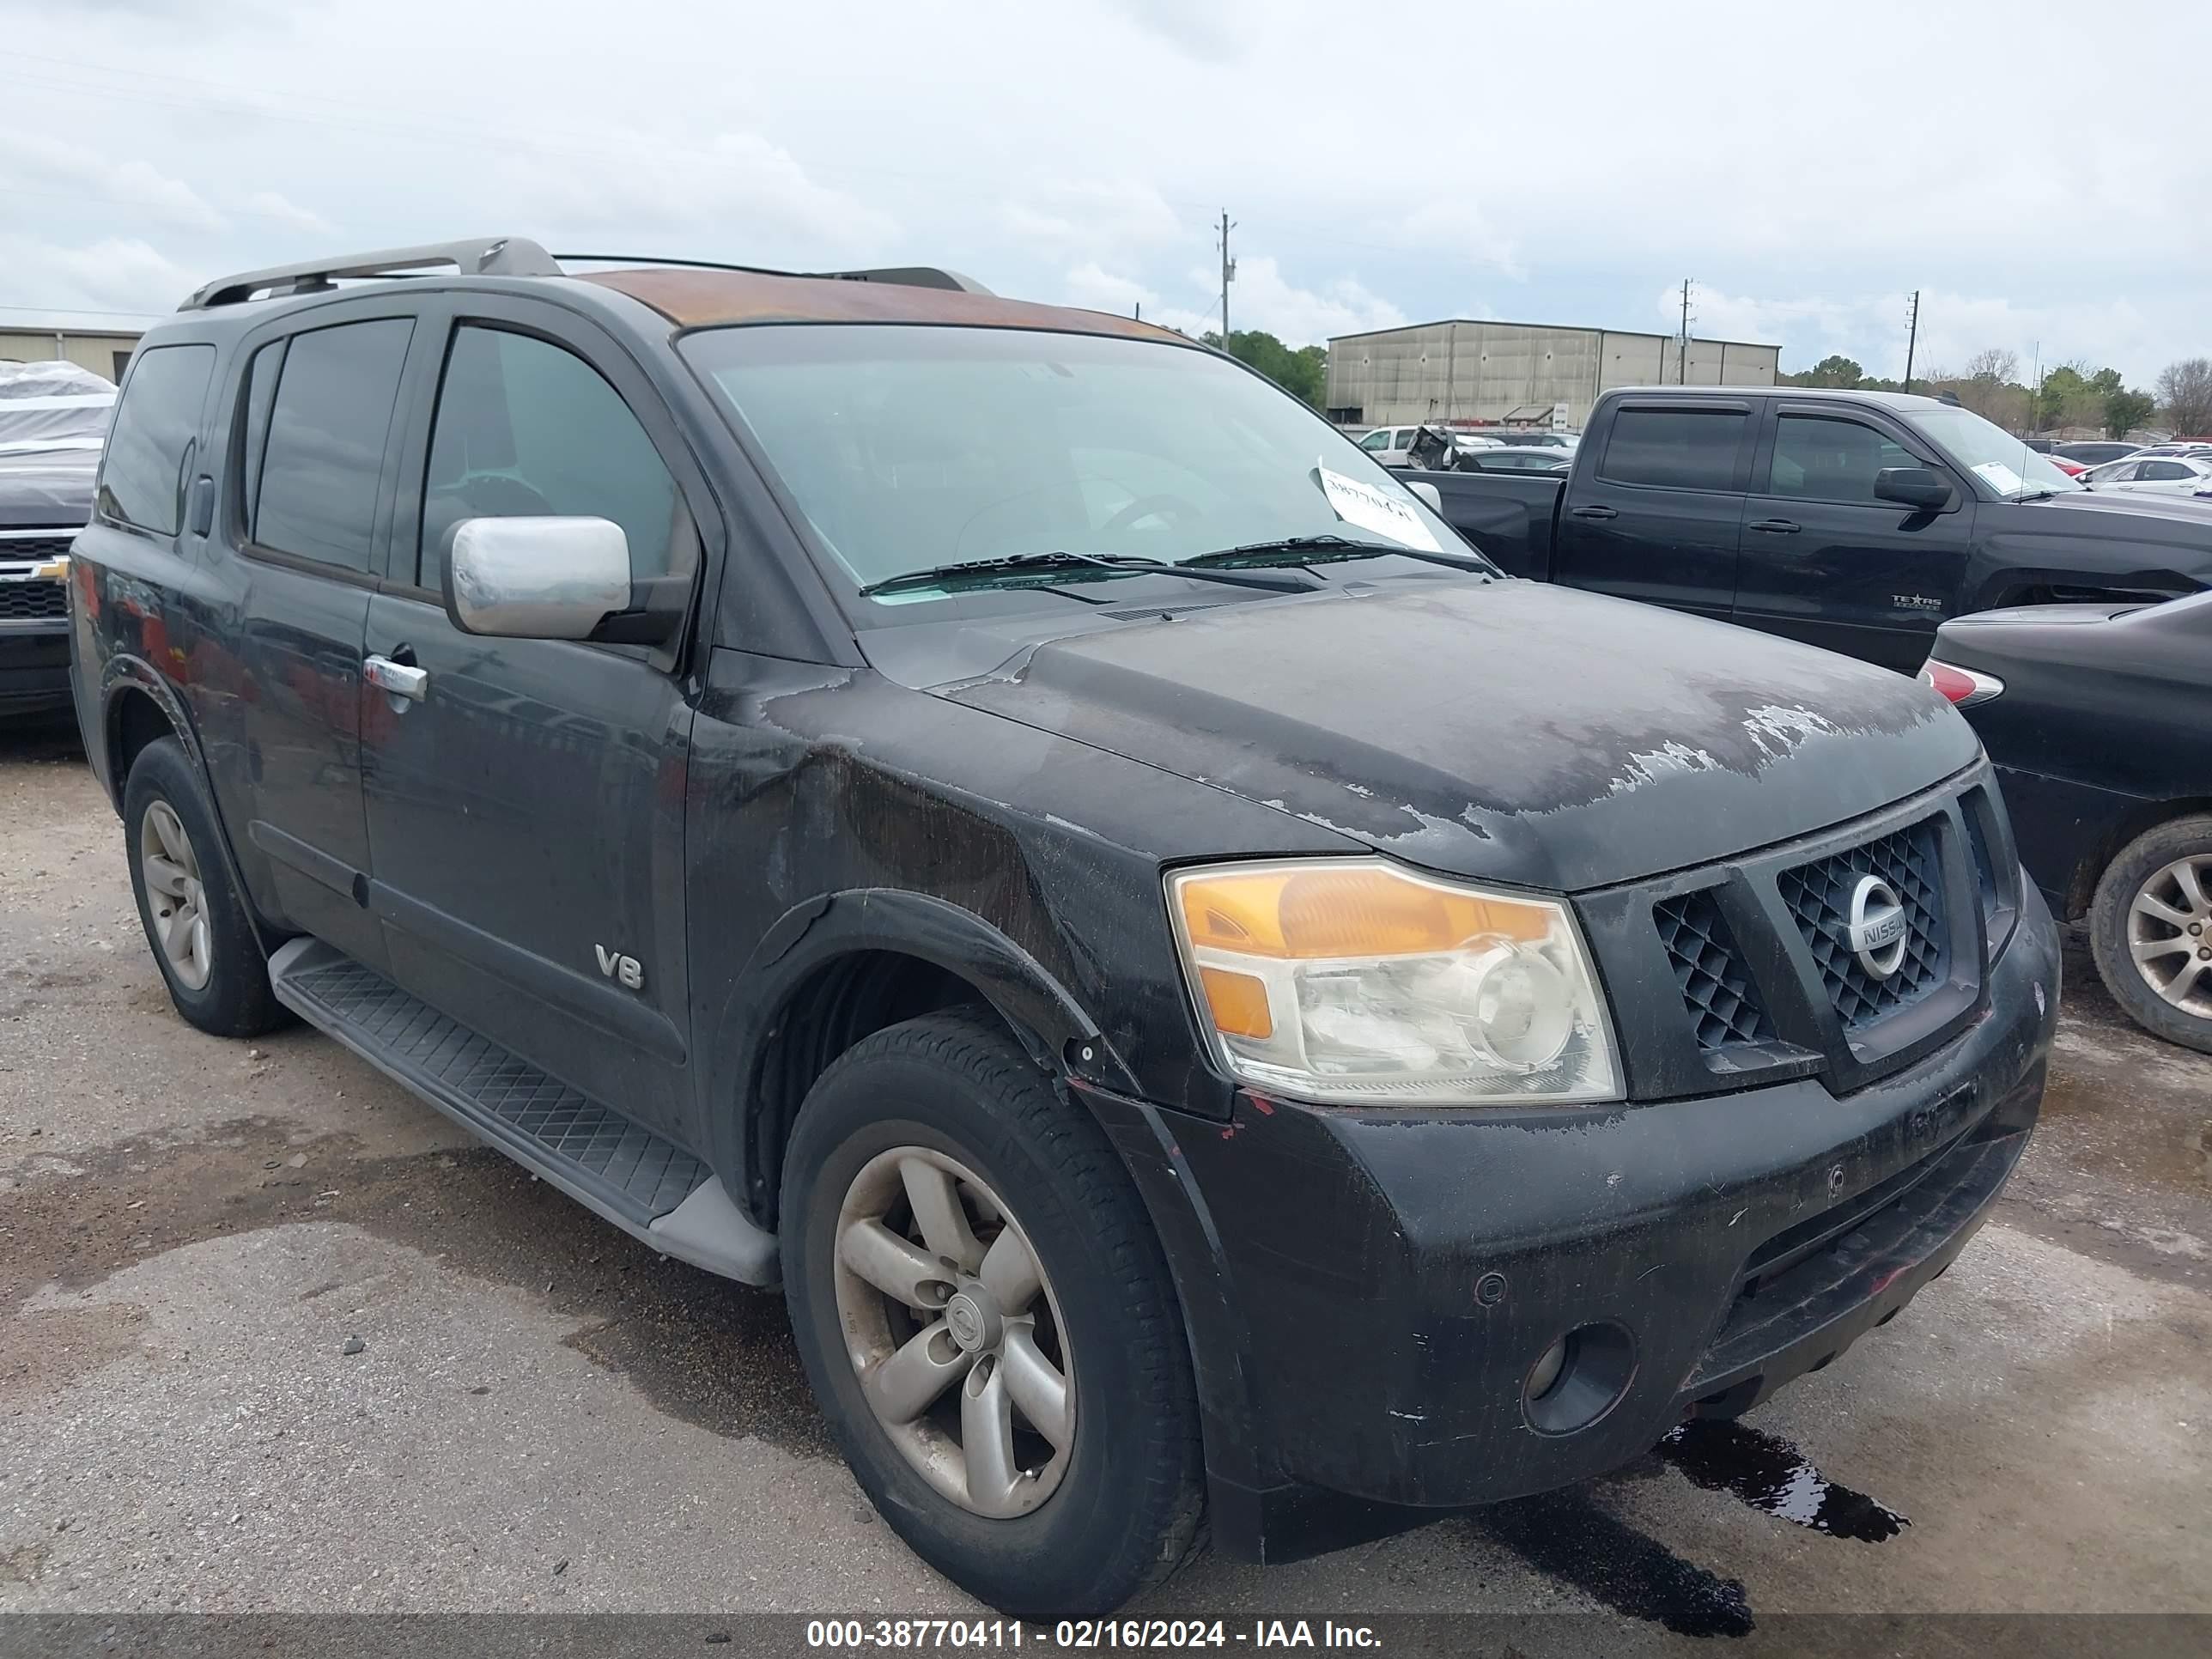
1856,520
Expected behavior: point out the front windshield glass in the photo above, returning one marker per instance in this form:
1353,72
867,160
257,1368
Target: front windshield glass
2000,460
909,448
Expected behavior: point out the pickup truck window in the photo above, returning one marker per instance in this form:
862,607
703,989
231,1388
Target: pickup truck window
2007,467
320,469
1675,449
910,446
142,478
525,428
1375,440
1821,458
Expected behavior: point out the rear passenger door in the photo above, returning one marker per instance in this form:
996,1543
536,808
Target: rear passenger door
525,808
310,494
1658,514
1826,561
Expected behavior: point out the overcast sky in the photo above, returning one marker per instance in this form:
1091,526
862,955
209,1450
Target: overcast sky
2038,174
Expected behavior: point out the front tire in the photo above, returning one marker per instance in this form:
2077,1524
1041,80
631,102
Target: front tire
2150,927
196,924
986,1315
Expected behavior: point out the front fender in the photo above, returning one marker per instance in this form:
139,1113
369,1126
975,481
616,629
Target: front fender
1055,1028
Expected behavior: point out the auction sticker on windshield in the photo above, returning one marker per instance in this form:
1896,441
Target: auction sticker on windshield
1369,509
2001,477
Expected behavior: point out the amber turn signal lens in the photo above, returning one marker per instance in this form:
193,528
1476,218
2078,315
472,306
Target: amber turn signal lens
1237,1002
1334,911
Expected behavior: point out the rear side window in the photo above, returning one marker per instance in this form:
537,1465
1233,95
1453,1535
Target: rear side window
142,475
525,428
325,446
1677,448
2165,471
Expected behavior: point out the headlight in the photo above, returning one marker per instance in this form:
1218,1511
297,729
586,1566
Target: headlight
1354,982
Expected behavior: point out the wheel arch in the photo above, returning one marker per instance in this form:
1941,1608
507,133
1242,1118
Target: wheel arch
840,966
139,707
2114,836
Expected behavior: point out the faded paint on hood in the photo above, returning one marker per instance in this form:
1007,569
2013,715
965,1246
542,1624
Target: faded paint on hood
1508,730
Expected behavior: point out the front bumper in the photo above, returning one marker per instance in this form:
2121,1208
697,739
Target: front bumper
1368,1293
34,667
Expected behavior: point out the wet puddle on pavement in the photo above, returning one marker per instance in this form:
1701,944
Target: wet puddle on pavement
1769,1473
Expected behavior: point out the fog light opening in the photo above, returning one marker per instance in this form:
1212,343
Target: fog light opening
1581,1377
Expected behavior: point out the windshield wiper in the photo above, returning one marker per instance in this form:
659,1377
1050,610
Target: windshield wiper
970,573
1325,548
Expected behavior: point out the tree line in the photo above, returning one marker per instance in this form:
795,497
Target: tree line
1303,373
2073,394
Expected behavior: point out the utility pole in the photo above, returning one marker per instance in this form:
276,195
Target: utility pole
1228,275
1912,336
1682,368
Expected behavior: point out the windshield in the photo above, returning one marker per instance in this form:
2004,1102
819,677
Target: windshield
2000,460
910,447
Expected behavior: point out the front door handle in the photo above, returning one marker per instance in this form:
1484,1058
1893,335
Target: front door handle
1597,513
400,679
1775,526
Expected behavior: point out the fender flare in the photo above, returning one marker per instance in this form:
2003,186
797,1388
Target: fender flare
818,930
124,672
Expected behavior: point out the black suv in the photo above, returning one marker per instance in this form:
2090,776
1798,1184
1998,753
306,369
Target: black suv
1220,1010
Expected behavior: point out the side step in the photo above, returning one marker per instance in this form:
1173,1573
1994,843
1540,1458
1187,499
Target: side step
644,1183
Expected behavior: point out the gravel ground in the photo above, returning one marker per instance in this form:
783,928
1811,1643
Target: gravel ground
273,1336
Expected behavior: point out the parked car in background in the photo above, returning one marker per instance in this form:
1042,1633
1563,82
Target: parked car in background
54,422
2067,464
1505,458
1390,446
2154,475
2093,451
2099,719
1856,520
1223,1017
2182,448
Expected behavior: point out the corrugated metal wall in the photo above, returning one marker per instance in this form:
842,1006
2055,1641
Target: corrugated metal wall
1484,371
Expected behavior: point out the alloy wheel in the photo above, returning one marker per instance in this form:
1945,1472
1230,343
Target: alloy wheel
175,897
2169,933
952,1327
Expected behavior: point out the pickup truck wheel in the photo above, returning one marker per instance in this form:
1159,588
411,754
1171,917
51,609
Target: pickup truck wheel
2150,926
195,924
985,1313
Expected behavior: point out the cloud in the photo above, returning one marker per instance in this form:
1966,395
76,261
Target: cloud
1117,214
1218,31
117,274
736,187
1103,290
1262,297
45,166
1456,223
271,205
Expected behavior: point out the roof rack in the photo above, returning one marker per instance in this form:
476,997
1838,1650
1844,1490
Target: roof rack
903,275
513,256
481,255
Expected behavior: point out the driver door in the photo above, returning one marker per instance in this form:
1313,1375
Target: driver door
525,803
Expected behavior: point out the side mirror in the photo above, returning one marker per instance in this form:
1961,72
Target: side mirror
1916,487
535,578
1429,496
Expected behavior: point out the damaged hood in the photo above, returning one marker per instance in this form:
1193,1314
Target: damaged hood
1511,731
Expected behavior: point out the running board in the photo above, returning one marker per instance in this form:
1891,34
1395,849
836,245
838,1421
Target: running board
643,1182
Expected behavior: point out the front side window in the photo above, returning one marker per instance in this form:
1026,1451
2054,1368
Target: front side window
1822,459
2008,467
141,477
525,429
1675,448
1375,440
909,448
323,458
2165,471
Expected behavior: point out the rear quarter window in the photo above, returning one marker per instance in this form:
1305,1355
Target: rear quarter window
1675,449
142,476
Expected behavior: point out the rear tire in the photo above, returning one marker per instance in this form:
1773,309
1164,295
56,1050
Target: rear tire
2156,888
196,924
1120,1506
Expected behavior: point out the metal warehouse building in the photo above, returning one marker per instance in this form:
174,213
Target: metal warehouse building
1462,370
